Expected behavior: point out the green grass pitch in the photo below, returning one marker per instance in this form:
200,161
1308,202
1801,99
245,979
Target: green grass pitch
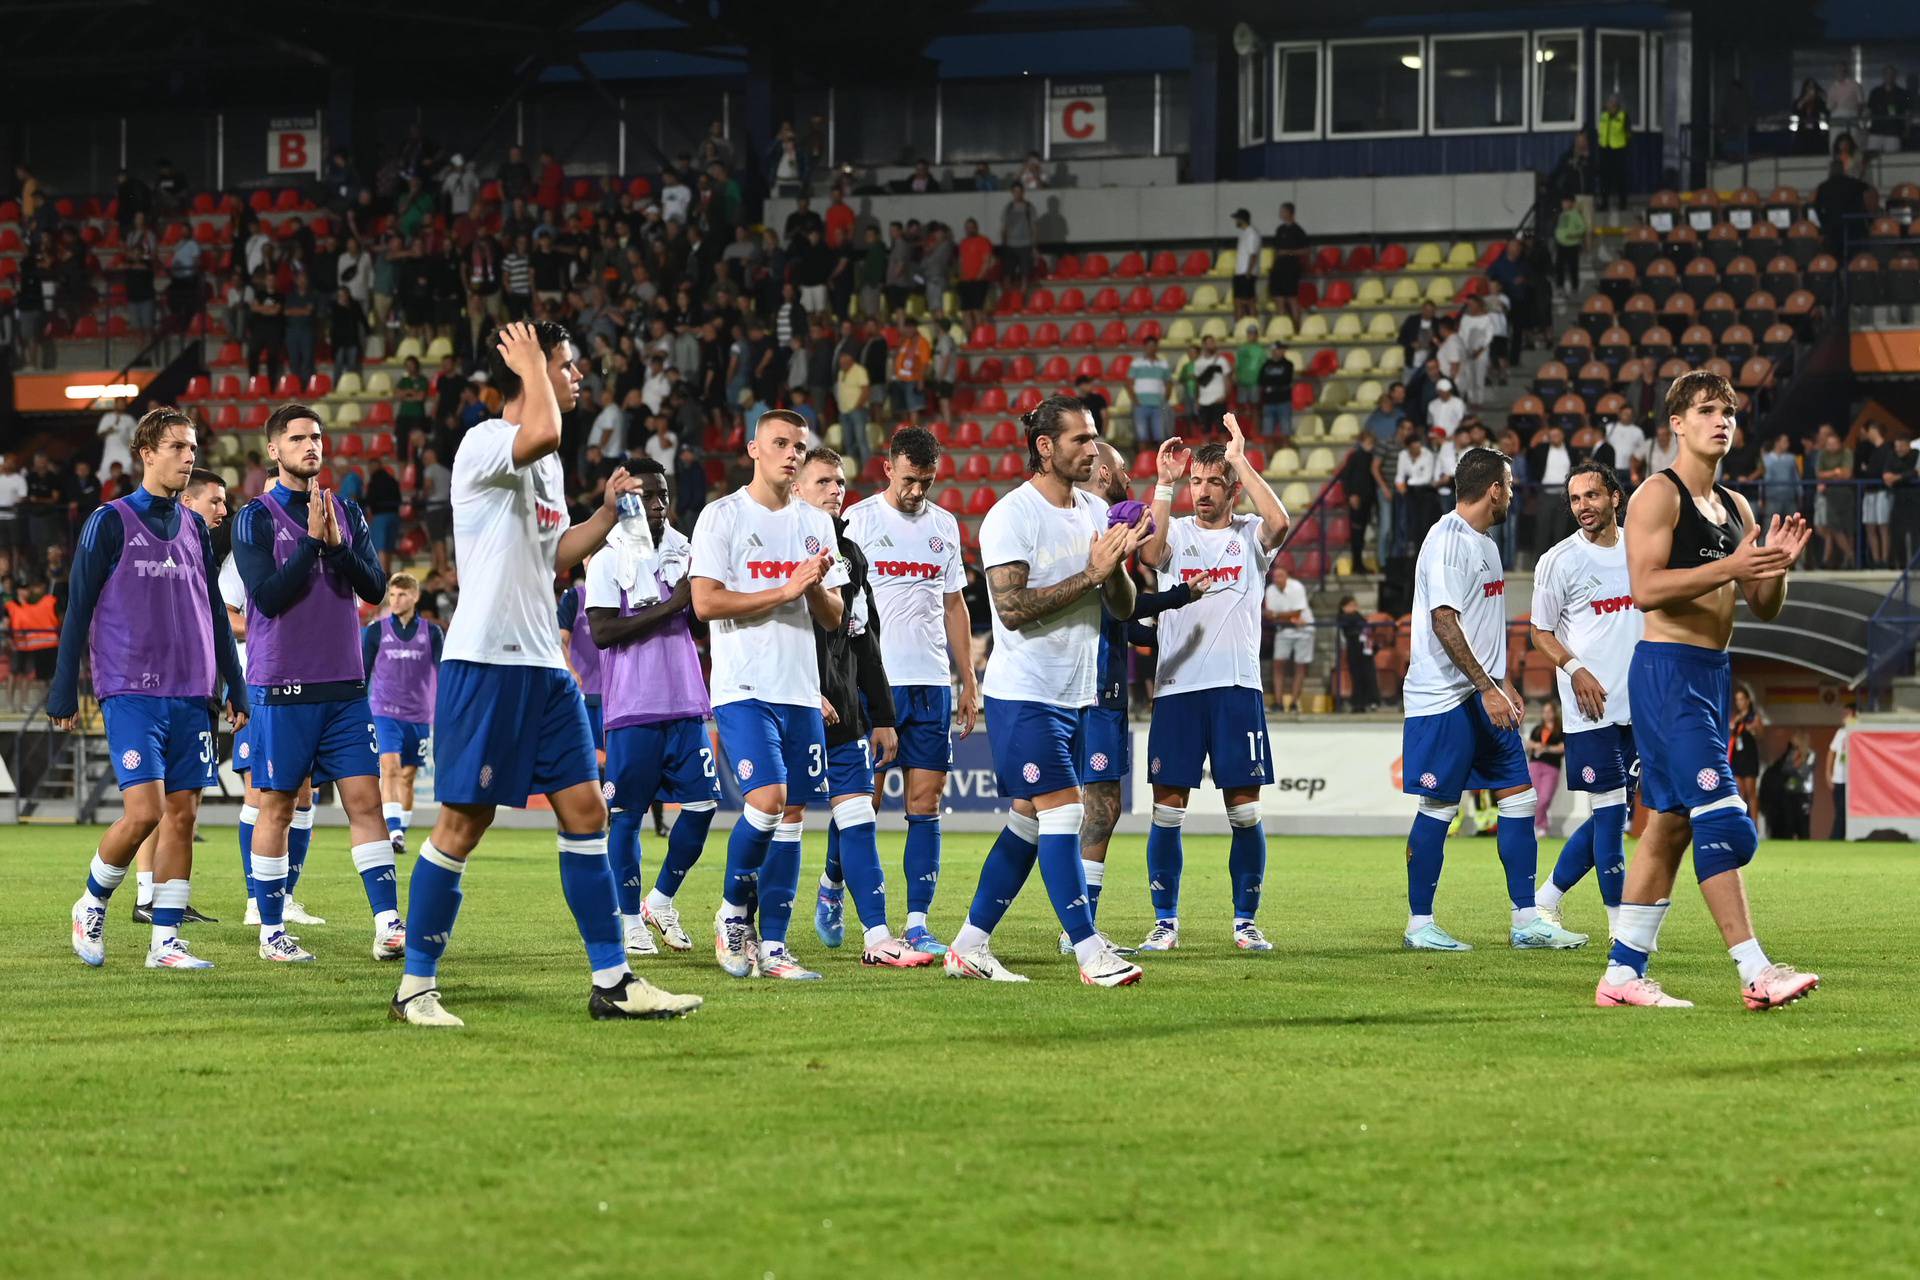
1339,1107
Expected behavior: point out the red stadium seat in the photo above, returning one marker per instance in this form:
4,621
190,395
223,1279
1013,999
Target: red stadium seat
1015,337
981,501
1114,334
1011,466
1071,301
382,446
1304,394
351,446
1147,329
944,469
1005,435
1107,300
967,435
1088,367
320,386
983,336
253,417
199,387
227,418
259,388
289,387
1011,300
1021,369
1327,258
1054,370
1046,334
1065,267
1145,465
1095,265
1172,298
1163,264
228,388
1338,294
951,499
289,200
1360,258
1197,263
976,468
942,433
1325,363
261,202
1139,298
875,472
990,370
86,327
380,414
1081,333
993,400
1121,367
1039,302
1027,401
1309,294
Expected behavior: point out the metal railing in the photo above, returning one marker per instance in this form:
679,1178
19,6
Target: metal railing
1893,632
40,752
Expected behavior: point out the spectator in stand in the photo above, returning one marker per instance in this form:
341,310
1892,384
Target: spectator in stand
794,230
921,181
1574,177
516,279
853,391
1876,501
33,625
1446,459
46,503
676,198
1447,410
786,163
1780,490
115,431
1356,481
1500,344
13,501
1835,513
266,326
1569,238
1285,605
1903,481
1452,352
1289,263
902,250
83,491
1246,266
936,265
459,185
1663,449
299,308
822,368
1019,234
416,208
1741,466
975,258
436,501
1247,359
662,445
1549,463
983,179
789,317
1094,400
1613,171
253,479
410,398
1276,396
551,192
1212,374
839,219
1356,637
609,430
906,391
1810,118
1626,447
1844,97
1383,424
1414,482
812,266
870,276
1889,104
1546,751
1152,381
943,375
353,271
1033,173
1419,335
137,250
383,511
689,486
1515,277
1476,337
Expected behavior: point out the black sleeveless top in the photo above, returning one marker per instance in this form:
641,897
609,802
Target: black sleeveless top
1697,540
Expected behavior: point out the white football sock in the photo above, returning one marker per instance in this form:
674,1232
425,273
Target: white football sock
916,919
1750,958
143,888
1548,895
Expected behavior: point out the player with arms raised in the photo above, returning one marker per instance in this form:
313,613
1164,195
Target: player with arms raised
1584,619
1462,727
764,573
639,603
509,720
1052,561
1692,548
913,554
145,608
1209,706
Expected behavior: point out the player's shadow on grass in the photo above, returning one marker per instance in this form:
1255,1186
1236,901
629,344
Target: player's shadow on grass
1256,1022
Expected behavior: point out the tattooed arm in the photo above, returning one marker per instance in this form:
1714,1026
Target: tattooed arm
1502,703
1020,605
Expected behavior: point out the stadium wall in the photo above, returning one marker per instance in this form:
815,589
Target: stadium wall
1430,205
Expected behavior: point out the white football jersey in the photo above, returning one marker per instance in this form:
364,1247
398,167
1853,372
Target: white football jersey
507,525
1055,660
1214,642
745,547
1581,593
233,593
1458,568
913,564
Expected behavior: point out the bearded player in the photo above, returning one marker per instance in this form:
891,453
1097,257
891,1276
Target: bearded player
1693,548
1585,620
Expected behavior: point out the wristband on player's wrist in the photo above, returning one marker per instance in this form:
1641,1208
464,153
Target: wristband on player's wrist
1163,493
1574,666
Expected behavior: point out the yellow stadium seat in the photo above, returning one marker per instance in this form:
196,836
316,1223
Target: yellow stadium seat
1366,395
375,351
931,334
1406,292
1296,497
1266,260
1285,462
231,477
1371,293
227,446
1463,256
1216,328
1123,401
321,411
1179,333
1343,564
1346,327
1441,290
409,348
849,465
1359,361
1223,265
347,415
1346,428
916,305
1280,329
1313,328
1392,362
439,349
1205,298
379,385
1383,327
1320,462
1428,257
1308,426
349,385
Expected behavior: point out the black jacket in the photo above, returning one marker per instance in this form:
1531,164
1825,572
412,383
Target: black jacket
850,665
